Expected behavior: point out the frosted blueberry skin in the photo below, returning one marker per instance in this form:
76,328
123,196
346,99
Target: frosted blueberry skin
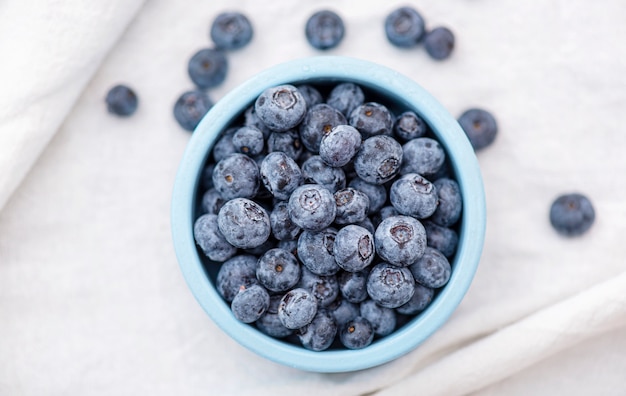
439,43
400,240
343,311
422,155
280,175
404,27
413,195
278,270
432,269
352,206
316,171
325,288
269,323
320,333
357,333
236,176
346,97
280,108
390,286
252,119
212,201
235,273
379,159
371,119
340,145
315,251
408,126
480,126
248,140
283,229
354,248
122,101
421,299
312,207
224,146
383,319
450,203
320,119
211,240
376,193
324,30
190,107
250,303
290,246
572,214
297,308
311,95
383,213
207,68
244,223
352,285
367,224
231,31
288,142
441,238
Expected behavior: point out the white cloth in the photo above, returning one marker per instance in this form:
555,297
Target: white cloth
91,298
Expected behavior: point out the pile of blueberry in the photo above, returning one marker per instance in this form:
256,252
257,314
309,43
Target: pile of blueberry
334,220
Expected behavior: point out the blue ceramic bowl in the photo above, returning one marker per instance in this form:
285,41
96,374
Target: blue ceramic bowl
394,89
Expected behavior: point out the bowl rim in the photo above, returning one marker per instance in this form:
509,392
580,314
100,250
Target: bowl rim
403,90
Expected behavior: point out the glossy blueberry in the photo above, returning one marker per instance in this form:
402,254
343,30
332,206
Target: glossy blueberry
372,119
441,238
316,171
250,303
281,108
224,146
212,201
280,175
312,207
269,323
324,30
315,251
319,120
377,194
283,229
343,311
244,223
404,27
121,100
324,288
248,140
422,155
400,240
421,299
379,159
211,240
207,68
432,269
439,43
450,203
236,176
383,213
235,273
311,95
297,308
390,286
190,107
413,195
320,333
278,270
288,142
480,126
352,285
346,97
340,145
572,214
252,119
408,126
231,30
354,248
357,333
352,206
383,319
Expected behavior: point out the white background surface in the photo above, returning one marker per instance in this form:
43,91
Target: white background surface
91,298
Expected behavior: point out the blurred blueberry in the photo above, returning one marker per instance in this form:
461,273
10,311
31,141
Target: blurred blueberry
121,100
404,27
190,107
439,43
480,127
572,214
207,68
324,30
231,30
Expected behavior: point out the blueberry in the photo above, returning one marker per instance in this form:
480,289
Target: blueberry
383,319
212,201
400,240
352,206
236,176
372,119
480,127
231,30
269,323
190,107
320,333
280,175
409,126
290,246
270,243
235,273
343,311
288,142
352,285
211,240
439,43
377,194
422,155
421,299
383,213
404,27
251,118
324,288
450,203
319,120
357,333
207,68
572,214
390,286
346,97
432,269
311,95
250,303
248,140
339,146
244,223
324,30
378,160
367,224
413,195
316,171
224,146
121,100
283,228
297,308
312,207
206,177
315,251
278,270
441,238
354,248
281,108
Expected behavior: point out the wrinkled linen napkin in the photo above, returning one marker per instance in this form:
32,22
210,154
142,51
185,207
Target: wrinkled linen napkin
91,298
